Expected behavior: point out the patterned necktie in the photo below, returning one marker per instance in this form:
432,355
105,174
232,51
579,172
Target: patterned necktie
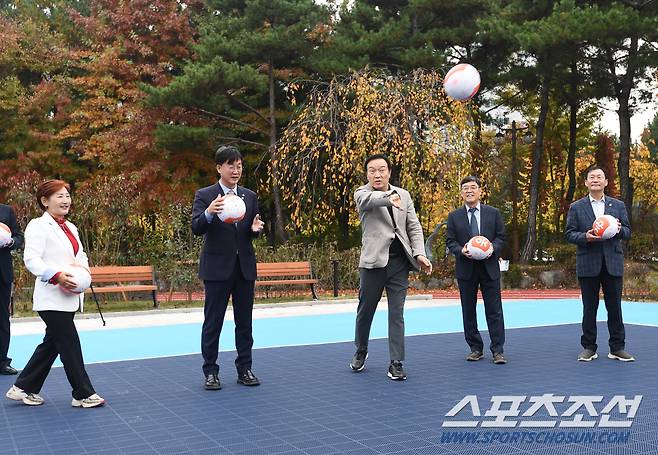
475,229
230,192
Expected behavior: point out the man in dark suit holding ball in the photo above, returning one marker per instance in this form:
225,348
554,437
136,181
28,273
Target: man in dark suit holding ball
227,266
599,264
466,222
8,218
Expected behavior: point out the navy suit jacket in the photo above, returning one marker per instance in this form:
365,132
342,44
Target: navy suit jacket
590,255
459,233
224,244
8,217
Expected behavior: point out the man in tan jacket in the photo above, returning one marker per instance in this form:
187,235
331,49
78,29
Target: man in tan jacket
392,245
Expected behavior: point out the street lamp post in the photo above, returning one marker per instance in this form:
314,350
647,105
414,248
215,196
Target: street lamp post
500,139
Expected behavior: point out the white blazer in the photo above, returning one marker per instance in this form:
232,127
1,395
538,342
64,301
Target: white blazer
47,250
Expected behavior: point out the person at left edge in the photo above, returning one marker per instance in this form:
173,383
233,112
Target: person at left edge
7,217
227,266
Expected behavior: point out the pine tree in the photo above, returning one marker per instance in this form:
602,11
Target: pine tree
234,87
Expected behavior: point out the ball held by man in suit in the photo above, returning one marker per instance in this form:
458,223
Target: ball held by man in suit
80,276
479,247
234,209
606,227
5,234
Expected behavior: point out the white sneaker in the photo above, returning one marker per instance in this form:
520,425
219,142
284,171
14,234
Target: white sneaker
89,402
33,399
15,394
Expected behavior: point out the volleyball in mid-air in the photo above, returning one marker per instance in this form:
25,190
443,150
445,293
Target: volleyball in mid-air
81,277
5,234
462,82
605,226
234,209
479,247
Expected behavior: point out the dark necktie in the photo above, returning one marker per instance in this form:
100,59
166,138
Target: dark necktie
390,212
475,229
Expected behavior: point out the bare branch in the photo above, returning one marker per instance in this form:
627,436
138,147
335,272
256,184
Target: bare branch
230,119
248,107
244,141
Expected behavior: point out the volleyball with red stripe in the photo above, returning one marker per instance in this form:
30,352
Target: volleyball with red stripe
605,226
462,82
234,209
5,234
479,247
81,278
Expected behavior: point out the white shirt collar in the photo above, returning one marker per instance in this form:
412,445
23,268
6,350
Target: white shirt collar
591,199
225,189
477,207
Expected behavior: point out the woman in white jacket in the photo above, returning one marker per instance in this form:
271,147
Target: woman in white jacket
52,244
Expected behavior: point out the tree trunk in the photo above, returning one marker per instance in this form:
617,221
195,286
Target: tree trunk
623,84
529,248
515,196
623,165
573,132
344,224
280,232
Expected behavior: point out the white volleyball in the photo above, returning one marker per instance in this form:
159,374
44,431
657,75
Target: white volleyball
81,277
234,209
606,227
5,234
462,82
479,247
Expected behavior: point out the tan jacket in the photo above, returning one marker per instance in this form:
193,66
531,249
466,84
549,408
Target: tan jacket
377,226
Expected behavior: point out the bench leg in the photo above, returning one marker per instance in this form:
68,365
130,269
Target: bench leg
155,300
315,296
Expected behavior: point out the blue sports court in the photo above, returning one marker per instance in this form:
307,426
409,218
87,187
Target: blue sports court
311,403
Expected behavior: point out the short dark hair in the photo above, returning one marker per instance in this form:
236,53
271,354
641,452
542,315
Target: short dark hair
227,154
377,156
471,178
596,167
48,188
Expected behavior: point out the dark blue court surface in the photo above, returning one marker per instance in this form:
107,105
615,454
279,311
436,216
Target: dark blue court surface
311,403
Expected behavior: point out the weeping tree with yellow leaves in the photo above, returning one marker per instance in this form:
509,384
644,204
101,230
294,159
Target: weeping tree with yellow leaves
408,117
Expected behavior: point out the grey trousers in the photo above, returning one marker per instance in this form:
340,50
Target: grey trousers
395,279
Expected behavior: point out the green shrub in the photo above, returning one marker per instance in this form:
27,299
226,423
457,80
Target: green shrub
512,278
563,253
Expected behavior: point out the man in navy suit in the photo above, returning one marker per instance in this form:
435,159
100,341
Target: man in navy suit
227,266
7,217
599,264
464,223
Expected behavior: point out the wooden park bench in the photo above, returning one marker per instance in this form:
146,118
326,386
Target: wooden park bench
124,279
282,273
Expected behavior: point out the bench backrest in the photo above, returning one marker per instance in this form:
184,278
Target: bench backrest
283,269
115,273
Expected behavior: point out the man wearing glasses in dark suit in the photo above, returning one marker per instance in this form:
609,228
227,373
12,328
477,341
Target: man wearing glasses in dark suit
468,221
227,266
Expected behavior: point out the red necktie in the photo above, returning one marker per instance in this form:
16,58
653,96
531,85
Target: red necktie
69,234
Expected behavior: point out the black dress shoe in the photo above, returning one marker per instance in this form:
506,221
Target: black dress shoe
247,378
212,382
8,370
